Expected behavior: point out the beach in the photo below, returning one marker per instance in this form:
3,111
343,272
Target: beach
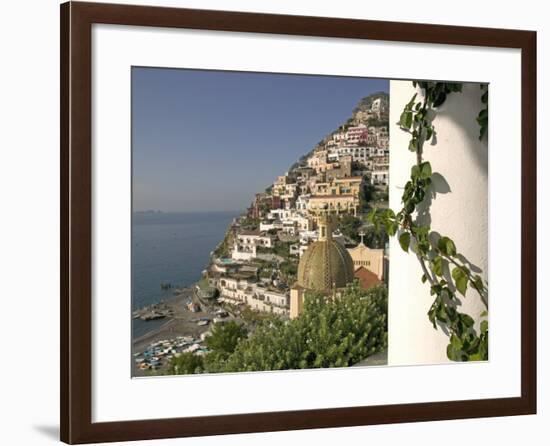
182,323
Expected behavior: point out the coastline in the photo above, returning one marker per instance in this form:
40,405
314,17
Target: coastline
146,338
183,323
175,302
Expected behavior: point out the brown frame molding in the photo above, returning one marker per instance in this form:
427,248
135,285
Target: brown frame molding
76,226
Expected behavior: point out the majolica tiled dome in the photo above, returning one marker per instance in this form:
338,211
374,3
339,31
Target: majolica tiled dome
324,266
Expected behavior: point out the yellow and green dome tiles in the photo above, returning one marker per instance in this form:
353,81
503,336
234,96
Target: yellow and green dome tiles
325,265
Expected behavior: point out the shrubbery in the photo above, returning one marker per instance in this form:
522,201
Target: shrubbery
185,363
222,342
224,338
329,333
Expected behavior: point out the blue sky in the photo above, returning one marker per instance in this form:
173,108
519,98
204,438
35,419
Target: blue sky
209,140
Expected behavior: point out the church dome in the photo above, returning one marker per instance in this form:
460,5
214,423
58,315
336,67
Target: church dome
324,266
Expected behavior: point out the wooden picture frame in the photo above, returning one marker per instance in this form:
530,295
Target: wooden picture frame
76,221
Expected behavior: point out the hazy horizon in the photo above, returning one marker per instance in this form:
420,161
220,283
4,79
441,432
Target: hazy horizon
207,141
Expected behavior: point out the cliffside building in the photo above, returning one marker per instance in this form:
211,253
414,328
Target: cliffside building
369,264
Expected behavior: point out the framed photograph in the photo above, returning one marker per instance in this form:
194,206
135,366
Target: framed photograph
279,222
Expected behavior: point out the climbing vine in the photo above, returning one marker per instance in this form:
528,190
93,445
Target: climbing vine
447,272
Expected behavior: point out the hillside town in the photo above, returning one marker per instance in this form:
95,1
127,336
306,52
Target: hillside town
345,174
306,231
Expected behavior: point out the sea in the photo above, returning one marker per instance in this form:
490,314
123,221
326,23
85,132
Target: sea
171,248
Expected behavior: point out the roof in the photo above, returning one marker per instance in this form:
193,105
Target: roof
367,279
324,266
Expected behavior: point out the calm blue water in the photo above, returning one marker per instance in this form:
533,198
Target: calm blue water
174,248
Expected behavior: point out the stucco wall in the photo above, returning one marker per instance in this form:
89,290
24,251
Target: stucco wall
459,210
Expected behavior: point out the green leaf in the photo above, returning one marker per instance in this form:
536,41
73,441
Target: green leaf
442,313
437,266
405,241
478,283
450,352
466,320
409,120
424,278
426,170
411,102
461,280
453,354
391,227
405,121
456,343
484,326
446,246
389,213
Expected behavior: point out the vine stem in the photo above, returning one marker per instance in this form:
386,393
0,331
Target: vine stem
421,259
454,262
420,143
430,278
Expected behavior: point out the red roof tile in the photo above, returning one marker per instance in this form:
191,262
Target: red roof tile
367,279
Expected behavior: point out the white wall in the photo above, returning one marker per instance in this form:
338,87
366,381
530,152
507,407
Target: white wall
29,225
459,210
